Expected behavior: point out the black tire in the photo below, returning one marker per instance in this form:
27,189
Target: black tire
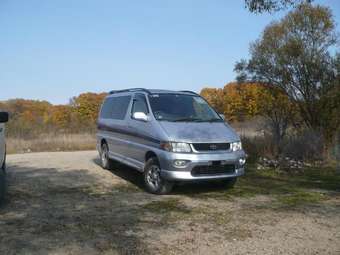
105,161
3,181
153,180
228,183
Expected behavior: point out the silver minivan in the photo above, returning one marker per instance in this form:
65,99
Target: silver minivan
169,136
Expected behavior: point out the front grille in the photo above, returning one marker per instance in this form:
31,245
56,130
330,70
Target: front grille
211,146
213,170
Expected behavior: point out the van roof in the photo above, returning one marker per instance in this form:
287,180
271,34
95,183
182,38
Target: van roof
164,91
153,91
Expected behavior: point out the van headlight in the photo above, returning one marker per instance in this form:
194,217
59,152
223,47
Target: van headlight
236,146
176,147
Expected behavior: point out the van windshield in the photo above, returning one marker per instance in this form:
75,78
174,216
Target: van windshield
179,107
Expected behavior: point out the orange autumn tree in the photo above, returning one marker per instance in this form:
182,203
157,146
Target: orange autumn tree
214,97
242,101
238,102
86,107
27,117
61,116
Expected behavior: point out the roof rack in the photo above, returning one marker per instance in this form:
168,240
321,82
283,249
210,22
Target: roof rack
130,90
189,91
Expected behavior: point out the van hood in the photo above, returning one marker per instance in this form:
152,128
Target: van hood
199,132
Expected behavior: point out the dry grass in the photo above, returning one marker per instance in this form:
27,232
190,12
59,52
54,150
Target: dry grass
251,128
52,142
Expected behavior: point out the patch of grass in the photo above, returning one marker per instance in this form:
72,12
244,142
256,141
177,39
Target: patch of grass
127,188
221,219
229,194
250,185
286,188
172,205
319,178
300,198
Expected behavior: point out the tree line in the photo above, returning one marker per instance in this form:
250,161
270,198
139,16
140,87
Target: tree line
30,118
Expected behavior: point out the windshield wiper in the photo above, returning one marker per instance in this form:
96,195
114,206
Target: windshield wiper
187,119
214,120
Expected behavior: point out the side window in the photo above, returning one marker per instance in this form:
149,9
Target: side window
115,107
120,106
139,104
106,108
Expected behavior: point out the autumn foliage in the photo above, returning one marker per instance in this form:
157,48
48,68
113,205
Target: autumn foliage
243,101
30,118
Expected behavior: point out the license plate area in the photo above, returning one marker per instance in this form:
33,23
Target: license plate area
219,163
216,163
214,168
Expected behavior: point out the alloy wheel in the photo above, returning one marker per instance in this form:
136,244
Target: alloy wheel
153,177
104,156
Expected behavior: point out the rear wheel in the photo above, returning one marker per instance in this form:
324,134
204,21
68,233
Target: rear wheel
106,162
154,183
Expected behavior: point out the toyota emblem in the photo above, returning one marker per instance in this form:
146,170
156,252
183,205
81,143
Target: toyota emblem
213,146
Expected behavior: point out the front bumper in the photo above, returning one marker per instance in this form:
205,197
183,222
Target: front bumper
187,176
172,173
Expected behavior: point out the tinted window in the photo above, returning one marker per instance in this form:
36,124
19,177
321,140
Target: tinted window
178,107
139,104
115,107
106,109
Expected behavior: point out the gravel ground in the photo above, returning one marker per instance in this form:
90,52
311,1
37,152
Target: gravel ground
64,203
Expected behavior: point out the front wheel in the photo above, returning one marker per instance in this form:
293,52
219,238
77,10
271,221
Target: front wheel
153,180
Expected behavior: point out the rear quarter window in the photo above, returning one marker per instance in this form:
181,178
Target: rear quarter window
115,107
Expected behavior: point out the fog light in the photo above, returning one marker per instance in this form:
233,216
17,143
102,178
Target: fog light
242,161
180,163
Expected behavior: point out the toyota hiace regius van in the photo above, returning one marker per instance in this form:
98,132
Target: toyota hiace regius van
169,136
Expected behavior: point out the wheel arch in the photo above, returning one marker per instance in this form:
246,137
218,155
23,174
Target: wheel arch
150,154
103,141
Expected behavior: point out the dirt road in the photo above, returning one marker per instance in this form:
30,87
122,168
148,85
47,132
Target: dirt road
64,203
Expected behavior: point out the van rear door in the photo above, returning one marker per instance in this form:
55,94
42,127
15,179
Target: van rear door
112,124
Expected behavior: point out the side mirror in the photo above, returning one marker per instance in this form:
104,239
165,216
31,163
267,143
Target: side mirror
140,116
222,116
3,117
